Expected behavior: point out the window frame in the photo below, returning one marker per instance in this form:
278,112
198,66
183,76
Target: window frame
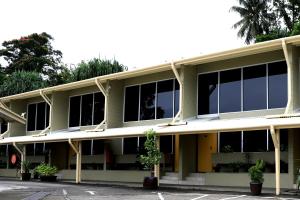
36,111
242,88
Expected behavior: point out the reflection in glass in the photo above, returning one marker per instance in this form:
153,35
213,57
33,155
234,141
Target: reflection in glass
230,91
255,90
208,93
164,107
277,84
87,110
147,101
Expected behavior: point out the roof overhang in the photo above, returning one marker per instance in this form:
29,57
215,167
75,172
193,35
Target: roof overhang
198,126
10,116
262,47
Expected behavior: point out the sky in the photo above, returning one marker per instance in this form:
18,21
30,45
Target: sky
137,33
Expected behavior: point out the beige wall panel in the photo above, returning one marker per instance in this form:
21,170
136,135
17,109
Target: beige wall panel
189,92
85,90
295,77
115,104
9,173
60,111
18,106
243,61
150,78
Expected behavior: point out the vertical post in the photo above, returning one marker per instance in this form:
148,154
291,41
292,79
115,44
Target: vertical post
105,156
156,167
277,162
78,163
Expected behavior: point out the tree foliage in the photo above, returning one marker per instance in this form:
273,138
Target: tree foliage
153,155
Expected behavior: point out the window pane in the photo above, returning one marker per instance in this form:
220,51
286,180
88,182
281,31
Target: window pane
176,97
164,107
130,145
41,116
255,89
277,85
39,149
98,147
74,113
3,127
255,141
87,110
148,101
131,103
30,149
166,144
208,93
3,148
47,114
230,142
31,117
230,91
99,101
86,147
141,148
283,141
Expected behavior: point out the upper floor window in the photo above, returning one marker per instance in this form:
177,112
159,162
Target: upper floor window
92,147
155,100
37,116
248,88
86,110
3,127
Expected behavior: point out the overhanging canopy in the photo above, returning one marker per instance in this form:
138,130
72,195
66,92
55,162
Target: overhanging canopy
10,116
192,127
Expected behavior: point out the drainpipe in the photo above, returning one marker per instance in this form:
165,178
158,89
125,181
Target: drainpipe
276,140
48,101
289,74
105,93
179,113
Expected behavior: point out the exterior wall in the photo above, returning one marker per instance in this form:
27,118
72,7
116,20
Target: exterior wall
8,173
189,92
294,77
60,111
115,105
17,129
187,155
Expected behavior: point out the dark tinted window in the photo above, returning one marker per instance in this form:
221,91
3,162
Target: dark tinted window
208,93
3,127
74,112
164,107
31,115
130,145
131,103
277,84
176,97
99,101
98,147
255,90
39,149
30,149
41,116
87,110
166,144
47,114
3,150
230,91
283,141
230,142
86,146
142,145
255,141
148,101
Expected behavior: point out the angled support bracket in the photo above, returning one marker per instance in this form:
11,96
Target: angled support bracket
48,101
77,150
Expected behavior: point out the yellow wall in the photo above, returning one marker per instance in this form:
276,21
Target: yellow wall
207,145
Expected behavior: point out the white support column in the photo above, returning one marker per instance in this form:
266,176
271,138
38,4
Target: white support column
179,79
77,150
157,167
22,155
276,140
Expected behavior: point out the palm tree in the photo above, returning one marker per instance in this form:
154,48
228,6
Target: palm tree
256,18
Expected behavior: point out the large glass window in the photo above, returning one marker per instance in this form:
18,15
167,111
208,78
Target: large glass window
37,116
39,149
132,95
74,112
166,144
176,97
208,93
230,142
148,101
277,84
86,147
3,127
130,145
87,110
230,91
254,88
164,108
99,101
283,140
255,141
98,147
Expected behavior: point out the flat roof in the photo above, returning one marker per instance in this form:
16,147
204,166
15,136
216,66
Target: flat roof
223,55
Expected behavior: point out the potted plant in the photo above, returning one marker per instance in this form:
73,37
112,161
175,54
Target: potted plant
257,177
151,158
25,175
46,172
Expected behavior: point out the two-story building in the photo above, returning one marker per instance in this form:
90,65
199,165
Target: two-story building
215,115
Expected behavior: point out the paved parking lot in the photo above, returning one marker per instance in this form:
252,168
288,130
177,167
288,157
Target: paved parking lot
16,190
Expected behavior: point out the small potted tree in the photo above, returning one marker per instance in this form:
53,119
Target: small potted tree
151,158
257,177
25,175
46,172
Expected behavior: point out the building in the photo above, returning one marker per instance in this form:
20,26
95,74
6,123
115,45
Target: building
216,115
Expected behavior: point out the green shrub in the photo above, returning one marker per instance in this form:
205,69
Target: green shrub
46,169
256,172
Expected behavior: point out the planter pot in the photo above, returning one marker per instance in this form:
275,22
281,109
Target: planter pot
25,176
48,178
255,188
150,183
35,176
